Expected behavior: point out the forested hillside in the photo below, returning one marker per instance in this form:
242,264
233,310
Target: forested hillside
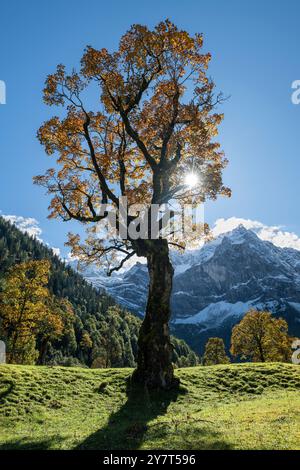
103,334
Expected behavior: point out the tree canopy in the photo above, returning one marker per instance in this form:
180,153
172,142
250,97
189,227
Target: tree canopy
154,122
27,309
260,337
215,352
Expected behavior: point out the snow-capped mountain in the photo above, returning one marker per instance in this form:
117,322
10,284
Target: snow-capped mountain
215,285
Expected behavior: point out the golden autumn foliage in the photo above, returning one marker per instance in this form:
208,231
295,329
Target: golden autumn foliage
155,120
215,352
86,342
27,310
260,337
57,320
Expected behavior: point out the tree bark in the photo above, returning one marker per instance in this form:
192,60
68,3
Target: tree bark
42,352
154,363
261,352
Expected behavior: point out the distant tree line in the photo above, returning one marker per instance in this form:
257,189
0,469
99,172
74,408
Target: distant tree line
259,337
50,315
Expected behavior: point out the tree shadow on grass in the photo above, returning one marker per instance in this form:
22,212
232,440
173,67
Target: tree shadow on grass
27,444
126,428
7,387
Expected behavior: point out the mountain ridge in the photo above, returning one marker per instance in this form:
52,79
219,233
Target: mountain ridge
216,284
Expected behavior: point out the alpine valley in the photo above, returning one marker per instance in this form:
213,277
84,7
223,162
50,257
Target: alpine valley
215,285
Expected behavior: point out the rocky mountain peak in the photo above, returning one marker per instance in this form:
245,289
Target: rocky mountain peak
216,284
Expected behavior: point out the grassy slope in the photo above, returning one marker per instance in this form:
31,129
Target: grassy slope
246,406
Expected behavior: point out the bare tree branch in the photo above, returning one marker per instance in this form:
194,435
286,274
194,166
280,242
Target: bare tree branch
117,268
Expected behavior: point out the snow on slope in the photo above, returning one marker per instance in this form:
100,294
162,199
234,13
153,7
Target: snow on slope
215,285
215,314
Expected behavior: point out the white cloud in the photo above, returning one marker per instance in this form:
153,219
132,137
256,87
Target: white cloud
272,233
25,224
71,257
56,251
29,225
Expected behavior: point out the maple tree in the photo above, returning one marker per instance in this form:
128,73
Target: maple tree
29,312
261,337
153,121
215,352
22,303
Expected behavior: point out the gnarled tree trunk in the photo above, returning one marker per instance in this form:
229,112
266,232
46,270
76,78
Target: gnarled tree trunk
154,364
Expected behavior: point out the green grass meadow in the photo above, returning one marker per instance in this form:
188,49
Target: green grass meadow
240,406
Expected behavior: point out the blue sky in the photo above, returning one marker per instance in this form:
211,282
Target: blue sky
255,59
